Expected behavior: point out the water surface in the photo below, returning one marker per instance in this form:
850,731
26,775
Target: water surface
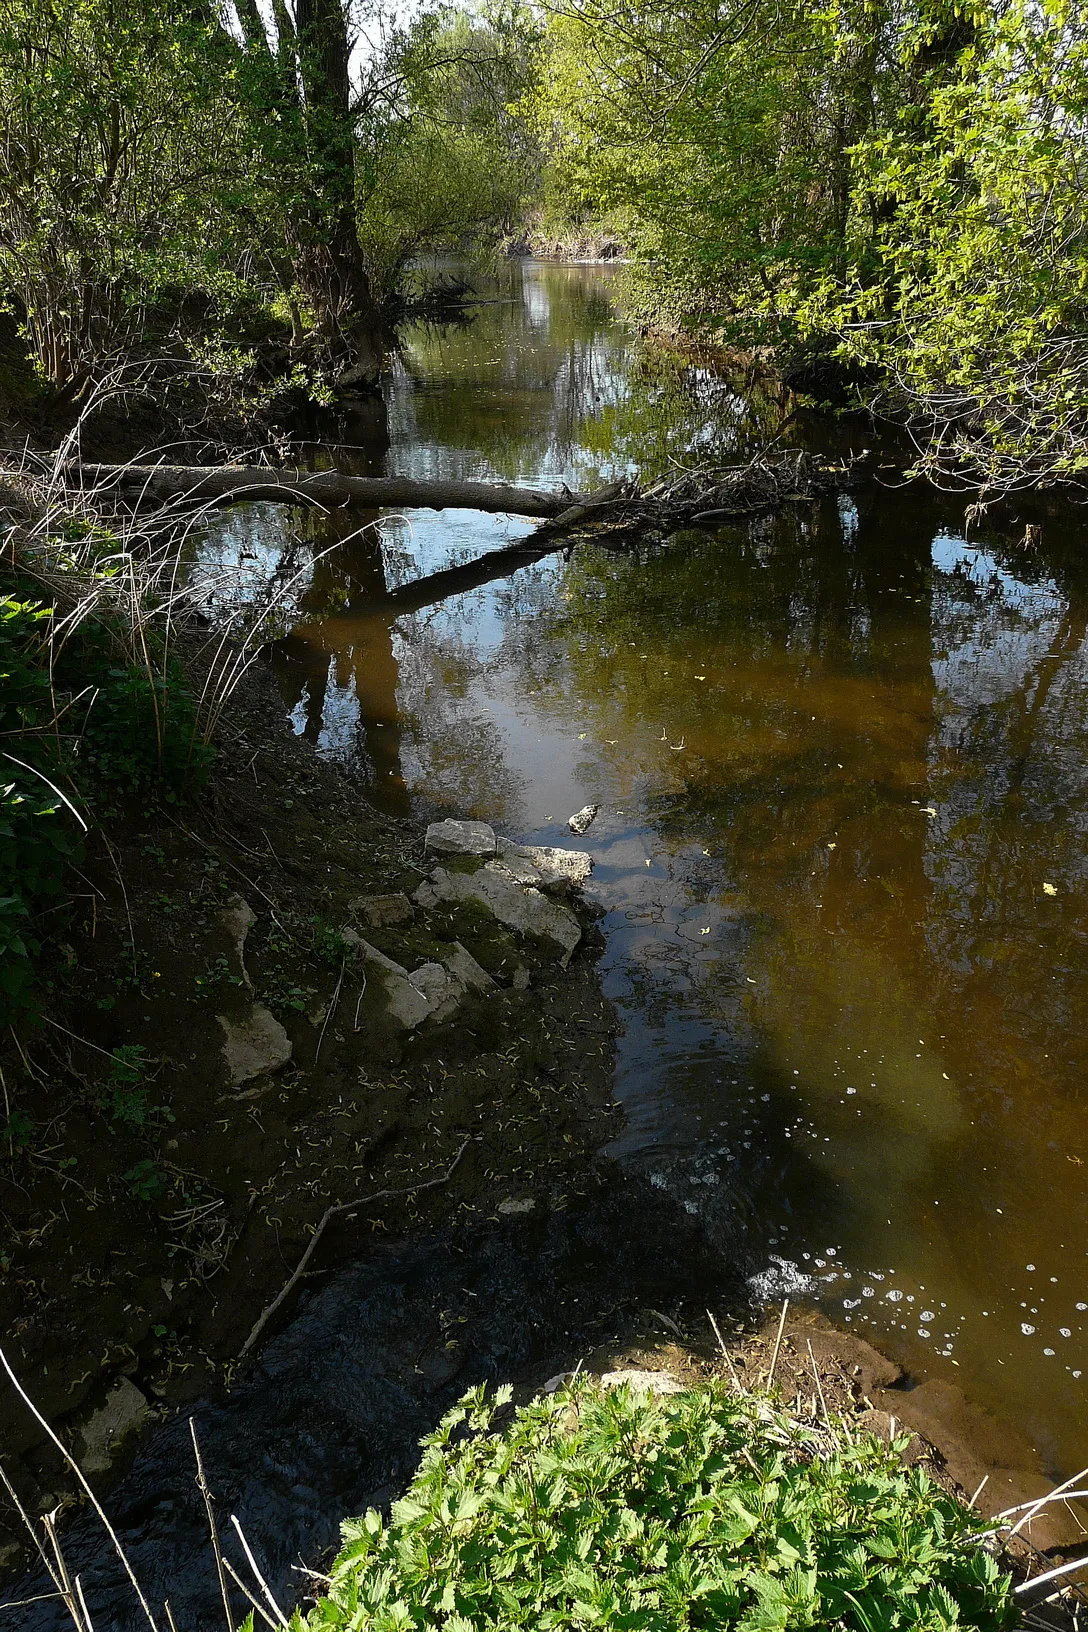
841,757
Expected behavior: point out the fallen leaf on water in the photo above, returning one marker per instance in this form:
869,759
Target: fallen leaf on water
1049,889
928,810
700,677
582,735
705,931
832,845
649,863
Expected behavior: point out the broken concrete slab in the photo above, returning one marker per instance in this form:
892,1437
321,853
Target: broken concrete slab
442,990
525,910
463,966
125,1411
238,918
545,866
406,1005
453,838
382,911
255,1044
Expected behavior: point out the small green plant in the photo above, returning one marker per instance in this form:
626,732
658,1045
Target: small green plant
329,944
617,1510
144,1180
216,972
283,995
18,1131
124,1095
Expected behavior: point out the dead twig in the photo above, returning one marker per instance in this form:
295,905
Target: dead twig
326,1218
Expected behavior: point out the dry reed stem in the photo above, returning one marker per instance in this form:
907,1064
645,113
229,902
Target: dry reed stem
777,1343
263,1584
202,1486
82,1479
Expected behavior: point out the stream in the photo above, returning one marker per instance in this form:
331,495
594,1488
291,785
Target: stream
841,758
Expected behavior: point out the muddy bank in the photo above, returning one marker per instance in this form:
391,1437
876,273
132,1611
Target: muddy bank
227,1050
325,1421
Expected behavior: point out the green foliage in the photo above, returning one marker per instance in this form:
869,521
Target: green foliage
713,140
458,165
36,834
125,1089
968,278
91,713
617,1510
902,187
117,172
145,1181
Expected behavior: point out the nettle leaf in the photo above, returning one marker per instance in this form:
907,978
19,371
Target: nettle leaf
617,1511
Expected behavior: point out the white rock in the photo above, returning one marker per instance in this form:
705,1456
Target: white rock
452,838
583,818
643,1382
238,918
124,1412
442,990
519,863
254,1045
461,964
525,910
566,867
371,954
405,1004
379,911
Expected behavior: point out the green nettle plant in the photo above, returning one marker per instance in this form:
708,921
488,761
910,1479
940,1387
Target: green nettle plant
614,1509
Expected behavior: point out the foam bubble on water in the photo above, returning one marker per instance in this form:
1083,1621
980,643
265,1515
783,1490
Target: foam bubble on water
1063,1331
1048,1351
927,1314
781,1279
867,1292
1028,1331
894,1296
657,1180
923,1333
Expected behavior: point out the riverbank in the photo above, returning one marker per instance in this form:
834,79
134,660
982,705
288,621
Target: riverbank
223,1055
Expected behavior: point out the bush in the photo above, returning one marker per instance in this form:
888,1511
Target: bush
618,1510
36,836
99,713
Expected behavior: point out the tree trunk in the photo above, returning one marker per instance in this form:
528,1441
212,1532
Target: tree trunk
330,267
325,488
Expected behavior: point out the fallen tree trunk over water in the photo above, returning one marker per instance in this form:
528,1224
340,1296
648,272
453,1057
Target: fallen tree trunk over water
235,484
699,497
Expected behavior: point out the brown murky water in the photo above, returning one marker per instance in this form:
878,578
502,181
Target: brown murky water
842,760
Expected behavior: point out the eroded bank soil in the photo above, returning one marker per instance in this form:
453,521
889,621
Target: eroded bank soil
156,1192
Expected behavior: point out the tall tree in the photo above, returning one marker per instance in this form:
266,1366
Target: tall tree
296,83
